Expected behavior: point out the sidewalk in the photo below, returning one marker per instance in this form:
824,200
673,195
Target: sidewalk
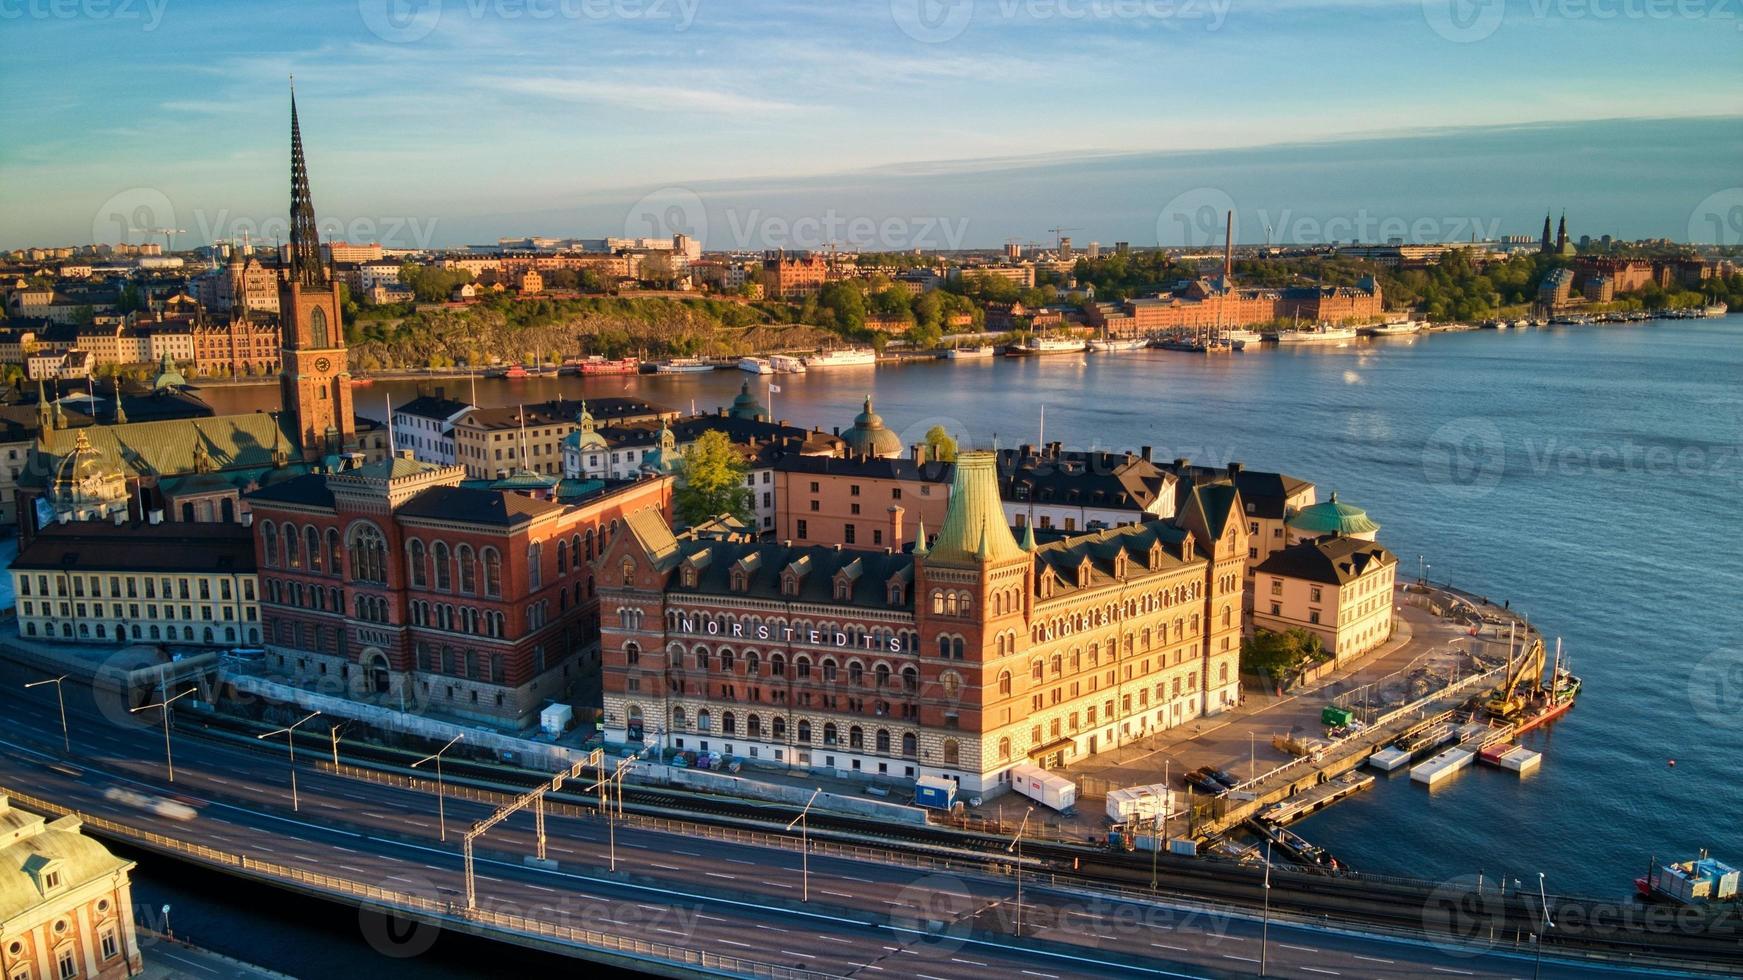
167,959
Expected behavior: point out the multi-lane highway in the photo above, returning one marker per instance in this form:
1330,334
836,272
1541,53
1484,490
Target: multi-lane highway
863,917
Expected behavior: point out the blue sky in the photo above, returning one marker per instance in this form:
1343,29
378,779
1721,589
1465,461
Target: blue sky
884,123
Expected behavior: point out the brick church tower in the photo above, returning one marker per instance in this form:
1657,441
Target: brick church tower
315,380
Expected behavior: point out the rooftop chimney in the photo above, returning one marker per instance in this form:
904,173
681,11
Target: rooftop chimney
1234,470
1229,247
919,453
1144,453
1182,462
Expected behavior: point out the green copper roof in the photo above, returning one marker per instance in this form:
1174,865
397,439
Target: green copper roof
746,405
1332,517
974,525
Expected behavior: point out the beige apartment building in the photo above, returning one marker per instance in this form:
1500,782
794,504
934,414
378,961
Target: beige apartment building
1338,588
68,902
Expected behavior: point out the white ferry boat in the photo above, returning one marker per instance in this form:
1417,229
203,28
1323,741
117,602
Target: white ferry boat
1035,346
786,364
849,357
1116,346
965,353
756,365
1238,337
682,365
1398,329
1321,333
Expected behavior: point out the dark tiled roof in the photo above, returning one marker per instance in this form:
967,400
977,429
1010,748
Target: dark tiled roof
1065,556
92,546
564,410
1080,478
1263,493
1328,560
874,468
309,490
432,407
870,572
475,506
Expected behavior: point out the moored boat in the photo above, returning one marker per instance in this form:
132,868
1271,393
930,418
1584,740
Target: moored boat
1035,345
1116,346
756,365
1702,881
786,364
966,353
846,357
1319,333
682,365
601,365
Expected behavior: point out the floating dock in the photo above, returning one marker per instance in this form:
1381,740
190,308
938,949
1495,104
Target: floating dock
1515,758
1443,765
1316,798
1390,759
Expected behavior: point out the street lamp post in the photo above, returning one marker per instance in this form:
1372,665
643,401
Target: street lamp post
1265,928
805,845
290,742
333,733
1017,847
441,803
60,696
168,760
1548,924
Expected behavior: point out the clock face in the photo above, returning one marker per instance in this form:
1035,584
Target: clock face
322,364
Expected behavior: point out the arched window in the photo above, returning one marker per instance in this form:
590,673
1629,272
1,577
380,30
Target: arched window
779,728
492,572
855,738
632,653
728,723
269,537
856,673
444,567
910,679
293,552
468,569
829,733
804,731
589,549
952,752
704,721
420,566
319,336
944,646
1005,749
335,554
368,555
883,740
535,565
753,726
678,718
910,745
562,557
312,540
1005,682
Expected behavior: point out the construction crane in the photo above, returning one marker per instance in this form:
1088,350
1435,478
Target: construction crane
1057,232
167,233
1524,677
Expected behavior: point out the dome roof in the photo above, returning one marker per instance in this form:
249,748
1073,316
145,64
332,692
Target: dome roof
870,437
746,405
1332,517
82,474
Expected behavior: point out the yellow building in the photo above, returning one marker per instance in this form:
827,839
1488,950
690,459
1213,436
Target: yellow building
66,903
98,582
1338,588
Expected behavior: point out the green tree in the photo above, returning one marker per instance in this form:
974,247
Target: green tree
711,481
940,444
1277,655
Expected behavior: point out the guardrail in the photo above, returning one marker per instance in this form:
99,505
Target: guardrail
402,901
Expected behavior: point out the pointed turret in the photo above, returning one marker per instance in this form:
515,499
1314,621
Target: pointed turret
44,414
920,538
974,524
1543,244
1028,537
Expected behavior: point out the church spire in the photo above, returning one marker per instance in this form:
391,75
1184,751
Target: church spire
1543,245
305,238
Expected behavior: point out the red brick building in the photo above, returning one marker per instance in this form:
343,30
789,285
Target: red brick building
794,278
393,582
961,657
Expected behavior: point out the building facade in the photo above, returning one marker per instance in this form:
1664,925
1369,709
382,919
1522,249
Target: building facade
1337,588
960,657
66,902
94,582
395,583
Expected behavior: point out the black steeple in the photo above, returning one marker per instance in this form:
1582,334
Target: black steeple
1544,244
305,239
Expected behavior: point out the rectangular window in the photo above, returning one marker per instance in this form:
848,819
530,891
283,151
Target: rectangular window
800,531
847,534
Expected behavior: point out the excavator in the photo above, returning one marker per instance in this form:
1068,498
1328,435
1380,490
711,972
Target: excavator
1524,677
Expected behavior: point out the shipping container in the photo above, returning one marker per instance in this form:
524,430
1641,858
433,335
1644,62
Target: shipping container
935,792
1044,787
1141,803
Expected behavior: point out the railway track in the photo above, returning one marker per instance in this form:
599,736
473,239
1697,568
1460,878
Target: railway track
1626,930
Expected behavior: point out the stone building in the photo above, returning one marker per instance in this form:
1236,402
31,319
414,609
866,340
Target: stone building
66,903
959,657
396,583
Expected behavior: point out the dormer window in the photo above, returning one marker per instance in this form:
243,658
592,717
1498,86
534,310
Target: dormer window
789,584
1120,565
896,595
843,589
689,577
1083,573
739,581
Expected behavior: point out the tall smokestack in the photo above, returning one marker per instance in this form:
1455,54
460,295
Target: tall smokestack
1229,247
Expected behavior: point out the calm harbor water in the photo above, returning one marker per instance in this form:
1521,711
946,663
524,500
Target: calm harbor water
1589,475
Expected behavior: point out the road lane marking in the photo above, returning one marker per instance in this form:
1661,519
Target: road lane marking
761,925
788,952
1177,949
837,894
1448,969
719,874
1315,969
1304,949
958,959
836,939
1049,976
181,959
1244,959
734,942
669,932
1370,959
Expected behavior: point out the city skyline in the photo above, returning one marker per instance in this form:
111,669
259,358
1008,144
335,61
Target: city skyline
486,120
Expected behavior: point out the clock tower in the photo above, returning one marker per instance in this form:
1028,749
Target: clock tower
314,379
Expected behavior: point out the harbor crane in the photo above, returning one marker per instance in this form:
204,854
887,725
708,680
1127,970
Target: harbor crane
1524,677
